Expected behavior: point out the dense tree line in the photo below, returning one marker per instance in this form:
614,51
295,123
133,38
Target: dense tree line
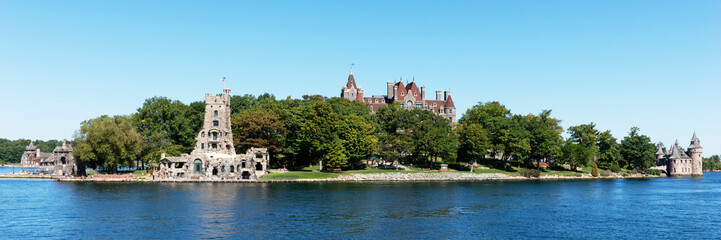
12,150
712,164
336,132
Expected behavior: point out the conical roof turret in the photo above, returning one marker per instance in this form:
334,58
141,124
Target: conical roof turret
695,143
660,150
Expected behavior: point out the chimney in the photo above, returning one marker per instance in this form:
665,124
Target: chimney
390,90
438,95
395,92
446,94
162,155
423,92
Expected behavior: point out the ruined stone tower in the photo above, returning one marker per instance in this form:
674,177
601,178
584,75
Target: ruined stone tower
216,136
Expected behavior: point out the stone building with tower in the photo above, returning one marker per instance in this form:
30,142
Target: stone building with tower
214,157
680,163
60,162
408,95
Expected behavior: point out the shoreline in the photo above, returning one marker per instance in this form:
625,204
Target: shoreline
357,178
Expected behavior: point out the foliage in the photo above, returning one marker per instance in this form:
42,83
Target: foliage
167,126
107,142
653,172
609,153
257,128
473,142
638,150
530,173
594,170
712,163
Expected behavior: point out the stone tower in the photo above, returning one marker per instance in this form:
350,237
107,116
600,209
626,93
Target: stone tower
216,136
695,151
351,90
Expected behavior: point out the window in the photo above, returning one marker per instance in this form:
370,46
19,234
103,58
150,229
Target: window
215,146
419,105
376,100
450,110
215,136
215,123
215,113
403,94
222,169
242,164
202,134
202,146
415,94
259,167
409,104
232,168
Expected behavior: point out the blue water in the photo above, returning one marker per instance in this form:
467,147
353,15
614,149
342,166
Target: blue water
589,209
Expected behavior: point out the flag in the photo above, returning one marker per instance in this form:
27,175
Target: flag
222,79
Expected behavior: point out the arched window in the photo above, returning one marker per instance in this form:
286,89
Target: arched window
202,134
215,113
198,165
259,166
232,168
409,104
215,136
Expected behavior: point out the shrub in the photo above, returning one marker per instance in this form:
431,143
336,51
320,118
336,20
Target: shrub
594,170
653,172
605,173
615,168
530,173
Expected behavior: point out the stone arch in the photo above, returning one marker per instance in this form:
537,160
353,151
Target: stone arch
198,166
259,166
245,175
62,160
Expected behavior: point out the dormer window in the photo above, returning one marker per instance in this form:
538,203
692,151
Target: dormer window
415,94
403,94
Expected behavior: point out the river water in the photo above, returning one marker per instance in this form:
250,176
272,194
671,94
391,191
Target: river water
573,209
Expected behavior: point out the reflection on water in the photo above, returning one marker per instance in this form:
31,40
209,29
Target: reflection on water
620,208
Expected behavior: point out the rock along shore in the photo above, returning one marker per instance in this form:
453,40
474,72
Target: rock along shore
371,177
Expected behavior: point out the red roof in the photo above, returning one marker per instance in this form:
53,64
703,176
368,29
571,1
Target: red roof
351,81
449,102
412,89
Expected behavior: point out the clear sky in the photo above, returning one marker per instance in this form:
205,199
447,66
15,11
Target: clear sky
652,64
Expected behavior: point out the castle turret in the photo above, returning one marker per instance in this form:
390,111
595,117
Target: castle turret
659,156
695,151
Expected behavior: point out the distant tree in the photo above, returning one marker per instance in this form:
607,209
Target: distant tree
584,136
357,137
167,126
638,150
258,127
335,156
575,154
545,136
608,150
108,142
474,142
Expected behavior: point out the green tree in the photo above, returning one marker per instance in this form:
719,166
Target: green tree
357,137
609,153
107,142
474,142
545,136
584,136
638,150
335,156
167,126
574,154
258,127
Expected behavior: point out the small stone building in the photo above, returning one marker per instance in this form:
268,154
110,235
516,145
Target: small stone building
679,163
60,162
214,157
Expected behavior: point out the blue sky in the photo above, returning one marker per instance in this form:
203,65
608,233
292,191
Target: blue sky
651,64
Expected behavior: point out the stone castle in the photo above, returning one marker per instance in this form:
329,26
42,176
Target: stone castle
214,156
679,163
408,95
60,162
